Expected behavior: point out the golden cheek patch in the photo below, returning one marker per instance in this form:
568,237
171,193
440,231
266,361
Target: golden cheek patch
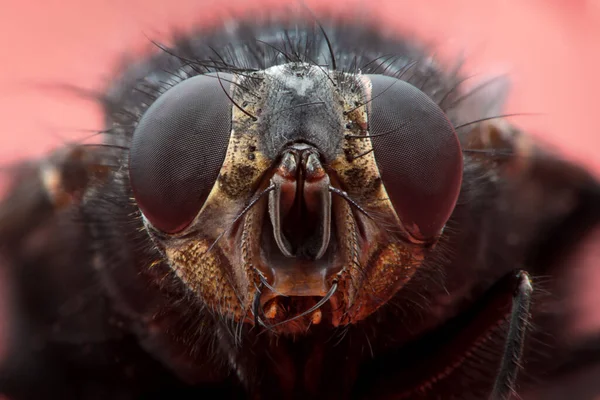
204,270
388,271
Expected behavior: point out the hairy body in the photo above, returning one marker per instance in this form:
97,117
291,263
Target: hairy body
105,307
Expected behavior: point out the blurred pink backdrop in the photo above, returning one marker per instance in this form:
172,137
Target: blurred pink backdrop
550,48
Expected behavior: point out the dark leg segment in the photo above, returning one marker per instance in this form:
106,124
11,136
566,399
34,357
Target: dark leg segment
39,190
513,348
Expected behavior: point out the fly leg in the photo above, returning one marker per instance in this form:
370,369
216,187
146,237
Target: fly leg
513,348
40,189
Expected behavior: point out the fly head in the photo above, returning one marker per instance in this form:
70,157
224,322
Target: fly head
295,195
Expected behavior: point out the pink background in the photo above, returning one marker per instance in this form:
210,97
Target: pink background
550,48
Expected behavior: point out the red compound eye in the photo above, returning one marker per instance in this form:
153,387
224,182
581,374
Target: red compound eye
418,154
178,149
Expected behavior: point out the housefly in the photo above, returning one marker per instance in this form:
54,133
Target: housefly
293,210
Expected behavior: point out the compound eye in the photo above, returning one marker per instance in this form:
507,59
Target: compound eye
418,155
178,149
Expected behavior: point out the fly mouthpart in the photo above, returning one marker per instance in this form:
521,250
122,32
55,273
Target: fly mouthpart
305,310
300,204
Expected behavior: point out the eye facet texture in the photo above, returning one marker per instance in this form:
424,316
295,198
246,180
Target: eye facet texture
178,149
418,155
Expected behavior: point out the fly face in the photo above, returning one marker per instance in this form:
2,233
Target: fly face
295,194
